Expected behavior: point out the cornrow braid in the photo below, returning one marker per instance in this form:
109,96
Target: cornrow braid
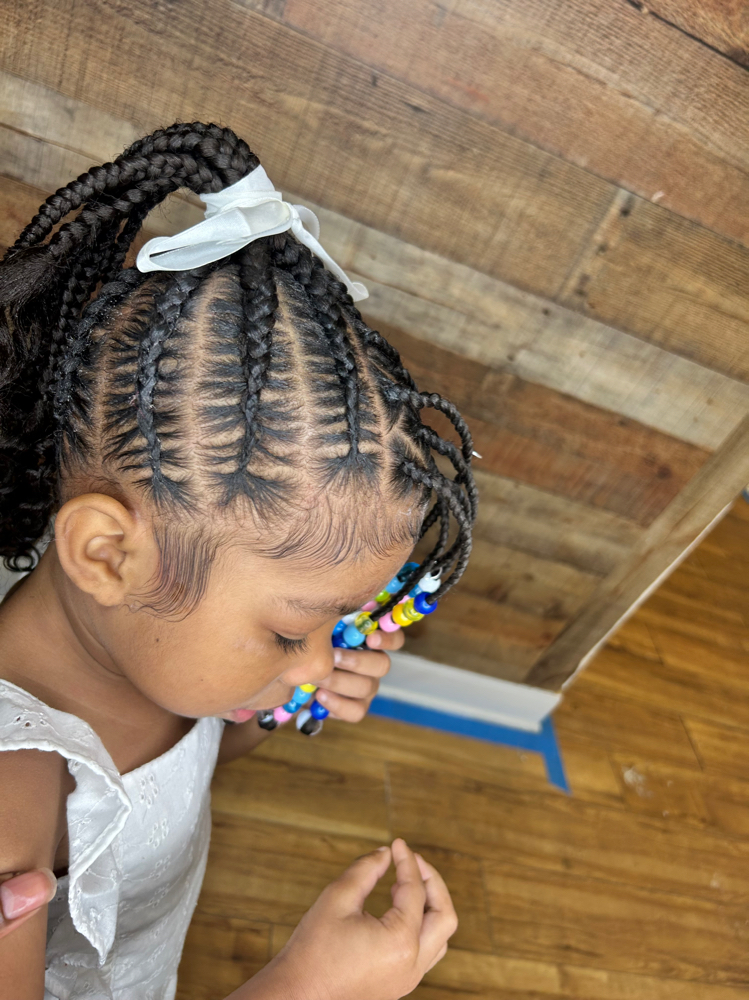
252,382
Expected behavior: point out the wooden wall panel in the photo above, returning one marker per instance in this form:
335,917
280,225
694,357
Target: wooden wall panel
601,84
722,24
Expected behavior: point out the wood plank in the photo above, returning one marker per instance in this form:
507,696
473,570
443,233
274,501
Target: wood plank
609,89
220,954
437,299
680,679
670,282
538,436
721,24
664,542
684,795
521,581
324,794
561,917
337,121
721,747
484,636
598,719
463,975
550,527
554,833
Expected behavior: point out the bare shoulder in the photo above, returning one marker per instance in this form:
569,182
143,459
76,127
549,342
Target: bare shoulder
34,785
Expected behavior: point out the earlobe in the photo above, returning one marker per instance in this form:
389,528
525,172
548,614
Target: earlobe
98,543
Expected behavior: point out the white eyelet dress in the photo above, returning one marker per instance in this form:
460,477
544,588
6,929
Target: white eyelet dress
138,850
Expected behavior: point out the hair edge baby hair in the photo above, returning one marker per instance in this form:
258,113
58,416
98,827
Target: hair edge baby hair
237,386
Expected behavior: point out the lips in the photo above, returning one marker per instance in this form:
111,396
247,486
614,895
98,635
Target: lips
240,714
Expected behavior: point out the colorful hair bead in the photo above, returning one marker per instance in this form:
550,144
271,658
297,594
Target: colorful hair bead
405,614
383,596
352,636
364,623
301,697
319,711
422,606
429,583
387,624
308,688
266,719
282,715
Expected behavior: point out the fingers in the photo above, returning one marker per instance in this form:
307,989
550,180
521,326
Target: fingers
362,661
409,892
385,640
351,685
340,707
22,895
349,892
440,919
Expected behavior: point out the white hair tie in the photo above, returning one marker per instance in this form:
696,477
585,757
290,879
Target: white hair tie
234,217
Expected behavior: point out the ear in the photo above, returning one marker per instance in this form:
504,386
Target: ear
104,549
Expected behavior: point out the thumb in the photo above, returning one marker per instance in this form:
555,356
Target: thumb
22,894
350,890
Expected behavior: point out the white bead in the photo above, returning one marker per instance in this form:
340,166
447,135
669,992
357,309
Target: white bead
430,582
302,717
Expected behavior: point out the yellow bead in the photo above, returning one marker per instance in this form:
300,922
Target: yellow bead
364,623
308,688
406,614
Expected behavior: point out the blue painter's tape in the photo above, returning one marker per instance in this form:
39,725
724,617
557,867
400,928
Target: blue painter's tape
544,742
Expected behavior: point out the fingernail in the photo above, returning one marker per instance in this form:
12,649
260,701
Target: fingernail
27,892
381,849
337,656
374,640
321,696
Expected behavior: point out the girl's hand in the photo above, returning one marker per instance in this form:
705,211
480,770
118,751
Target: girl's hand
348,692
341,952
21,895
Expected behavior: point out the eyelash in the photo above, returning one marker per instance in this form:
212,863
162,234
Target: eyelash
291,645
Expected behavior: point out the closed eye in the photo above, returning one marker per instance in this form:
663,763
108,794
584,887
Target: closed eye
291,645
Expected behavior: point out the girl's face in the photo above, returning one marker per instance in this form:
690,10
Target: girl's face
262,627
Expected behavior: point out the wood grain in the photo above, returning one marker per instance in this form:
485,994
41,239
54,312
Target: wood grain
568,918
586,81
667,539
722,746
722,24
220,953
637,272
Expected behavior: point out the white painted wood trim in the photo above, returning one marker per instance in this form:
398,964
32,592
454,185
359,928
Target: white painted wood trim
417,681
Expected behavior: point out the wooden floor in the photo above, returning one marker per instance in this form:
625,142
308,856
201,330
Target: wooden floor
634,887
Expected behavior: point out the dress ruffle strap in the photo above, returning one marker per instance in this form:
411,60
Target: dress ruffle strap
96,810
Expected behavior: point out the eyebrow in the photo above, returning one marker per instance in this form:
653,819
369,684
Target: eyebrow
311,607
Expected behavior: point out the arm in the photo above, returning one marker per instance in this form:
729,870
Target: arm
33,790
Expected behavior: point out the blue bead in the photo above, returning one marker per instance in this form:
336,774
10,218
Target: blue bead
353,636
339,643
423,606
407,570
291,707
340,627
394,586
319,711
301,697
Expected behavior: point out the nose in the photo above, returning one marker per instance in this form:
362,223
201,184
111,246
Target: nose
313,668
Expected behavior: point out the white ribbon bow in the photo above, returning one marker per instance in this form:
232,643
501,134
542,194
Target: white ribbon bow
234,217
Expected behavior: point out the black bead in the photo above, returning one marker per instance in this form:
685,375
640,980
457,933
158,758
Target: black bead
266,720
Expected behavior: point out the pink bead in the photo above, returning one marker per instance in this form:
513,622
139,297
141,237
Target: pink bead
281,715
370,606
387,624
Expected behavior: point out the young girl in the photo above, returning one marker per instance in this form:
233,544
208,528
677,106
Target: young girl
233,460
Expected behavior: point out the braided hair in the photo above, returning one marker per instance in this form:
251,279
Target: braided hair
249,384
